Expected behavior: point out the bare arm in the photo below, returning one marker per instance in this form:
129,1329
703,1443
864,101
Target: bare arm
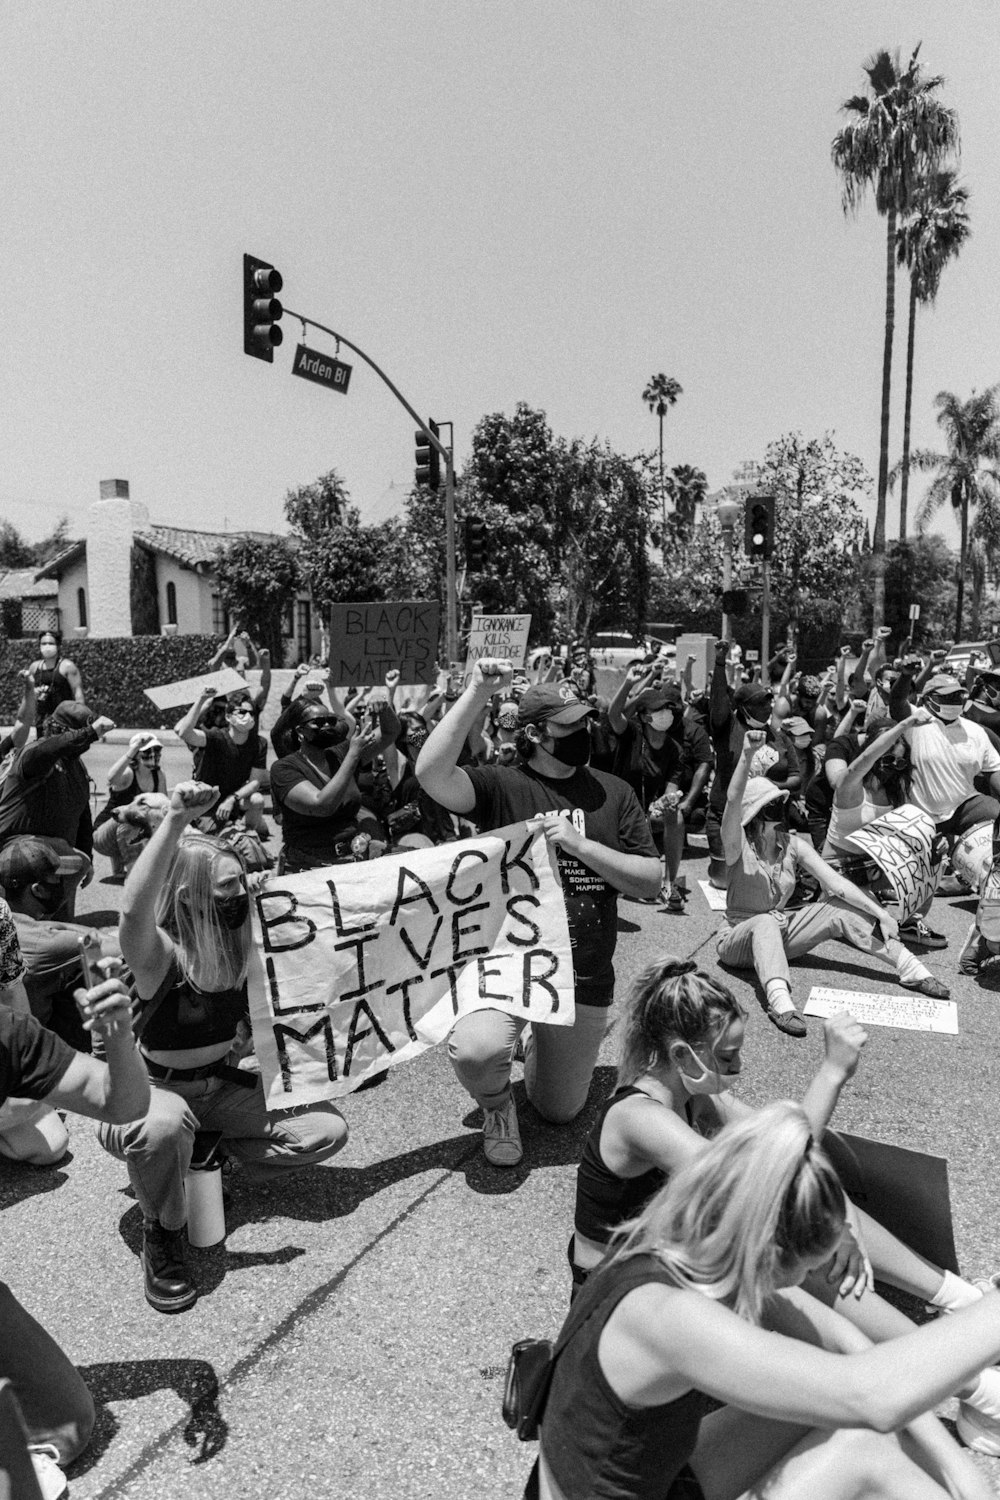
71,672
213,665
320,802
117,1089
732,817
438,770
187,727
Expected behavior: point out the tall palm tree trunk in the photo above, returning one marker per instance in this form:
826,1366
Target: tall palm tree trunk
663,498
878,539
962,557
904,487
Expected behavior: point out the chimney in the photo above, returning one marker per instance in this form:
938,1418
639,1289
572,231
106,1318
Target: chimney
112,522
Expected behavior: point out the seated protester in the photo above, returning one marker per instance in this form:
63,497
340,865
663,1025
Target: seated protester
838,754
228,759
730,717
32,874
603,846
762,861
802,736
137,770
983,703
57,1407
57,679
317,791
413,812
47,790
693,1364
948,752
186,935
30,1130
666,760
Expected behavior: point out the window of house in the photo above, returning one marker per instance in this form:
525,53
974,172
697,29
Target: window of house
171,603
220,617
81,605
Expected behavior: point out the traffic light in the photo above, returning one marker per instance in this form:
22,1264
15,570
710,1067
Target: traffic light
261,308
760,526
475,544
428,470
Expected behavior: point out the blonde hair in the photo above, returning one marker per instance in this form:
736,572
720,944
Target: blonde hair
759,1196
185,909
671,1000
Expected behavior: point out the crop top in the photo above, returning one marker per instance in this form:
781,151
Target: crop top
603,1200
186,1017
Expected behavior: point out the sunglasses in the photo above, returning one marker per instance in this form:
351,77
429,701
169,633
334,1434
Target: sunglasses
149,754
320,723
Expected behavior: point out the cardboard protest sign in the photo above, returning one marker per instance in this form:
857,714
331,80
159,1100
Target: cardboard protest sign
906,1191
498,635
908,1012
973,854
369,640
180,694
901,842
357,968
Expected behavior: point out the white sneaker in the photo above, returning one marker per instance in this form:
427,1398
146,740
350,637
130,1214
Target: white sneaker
52,1482
977,1430
501,1136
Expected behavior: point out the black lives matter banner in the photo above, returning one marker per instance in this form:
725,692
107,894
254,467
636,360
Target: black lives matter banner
357,968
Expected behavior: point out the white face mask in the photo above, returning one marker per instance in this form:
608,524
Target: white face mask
710,1080
49,648
946,712
661,719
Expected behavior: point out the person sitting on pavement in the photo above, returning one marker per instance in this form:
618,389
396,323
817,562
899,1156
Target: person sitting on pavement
228,760
47,790
57,679
666,759
185,934
136,770
57,1407
33,876
316,789
762,861
696,1362
603,845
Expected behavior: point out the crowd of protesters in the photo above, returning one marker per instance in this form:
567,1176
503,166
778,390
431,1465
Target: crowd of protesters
774,772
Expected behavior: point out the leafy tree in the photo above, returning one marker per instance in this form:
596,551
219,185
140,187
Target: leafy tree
898,133
51,545
660,394
312,509
338,556
258,580
920,570
15,552
934,233
967,472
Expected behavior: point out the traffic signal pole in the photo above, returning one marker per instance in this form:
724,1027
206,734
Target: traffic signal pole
765,620
451,593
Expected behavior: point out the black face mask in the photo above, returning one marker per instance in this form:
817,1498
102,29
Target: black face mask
232,911
773,812
573,749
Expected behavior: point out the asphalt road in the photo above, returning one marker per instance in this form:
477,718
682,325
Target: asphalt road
352,1334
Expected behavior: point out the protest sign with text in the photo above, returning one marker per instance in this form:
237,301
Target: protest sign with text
901,842
369,640
356,968
499,636
176,694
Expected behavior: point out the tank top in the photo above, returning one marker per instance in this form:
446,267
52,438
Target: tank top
603,1200
51,689
127,794
189,1017
847,820
593,1443
752,886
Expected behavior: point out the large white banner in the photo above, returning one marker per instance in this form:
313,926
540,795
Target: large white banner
901,842
357,968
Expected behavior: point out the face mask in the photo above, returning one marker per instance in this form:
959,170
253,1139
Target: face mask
49,648
661,719
241,720
232,911
573,749
773,812
752,723
415,740
326,735
709,1081
946,712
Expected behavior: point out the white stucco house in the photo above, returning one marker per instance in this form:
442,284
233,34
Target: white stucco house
128,576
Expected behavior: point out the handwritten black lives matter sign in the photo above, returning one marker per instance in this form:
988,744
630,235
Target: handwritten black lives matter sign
369,640
357,968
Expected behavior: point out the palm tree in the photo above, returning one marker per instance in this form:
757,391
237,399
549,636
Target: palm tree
933,234
899,133
661,393
967,474
687,488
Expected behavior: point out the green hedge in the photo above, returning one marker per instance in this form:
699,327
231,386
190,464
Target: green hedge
115,670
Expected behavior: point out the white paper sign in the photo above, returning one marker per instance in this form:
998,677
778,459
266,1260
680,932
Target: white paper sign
498,635
356,968
715,898
177,694
908,1012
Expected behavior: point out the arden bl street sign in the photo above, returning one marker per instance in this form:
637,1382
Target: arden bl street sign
322,368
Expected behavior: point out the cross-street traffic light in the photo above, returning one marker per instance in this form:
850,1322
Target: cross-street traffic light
760,526
475,544
261,308
428,470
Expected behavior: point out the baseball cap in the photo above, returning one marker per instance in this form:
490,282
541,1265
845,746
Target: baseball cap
942,683
795,724
552,703
752,695
143,741
28,858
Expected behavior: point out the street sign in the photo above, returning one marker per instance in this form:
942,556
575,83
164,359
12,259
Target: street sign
914,611
322,368
752,655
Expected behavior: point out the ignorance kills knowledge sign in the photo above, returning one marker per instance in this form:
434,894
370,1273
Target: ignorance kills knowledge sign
356,968
498,635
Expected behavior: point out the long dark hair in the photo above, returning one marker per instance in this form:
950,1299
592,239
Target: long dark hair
895,779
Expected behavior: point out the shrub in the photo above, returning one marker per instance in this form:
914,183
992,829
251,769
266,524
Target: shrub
115,670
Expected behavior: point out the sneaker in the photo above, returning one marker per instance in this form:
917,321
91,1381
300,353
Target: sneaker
929,986
953,885
52,1482
917,934
501,1136
977,1430
167,1284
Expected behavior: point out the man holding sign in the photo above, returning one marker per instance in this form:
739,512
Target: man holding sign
603,846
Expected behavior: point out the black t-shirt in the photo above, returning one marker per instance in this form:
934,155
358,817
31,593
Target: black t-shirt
225,764
649,769
819,792
611,816
728,746
32,1060
311,835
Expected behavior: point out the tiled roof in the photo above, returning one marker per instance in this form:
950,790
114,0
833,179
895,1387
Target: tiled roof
19,583
192,549
61,561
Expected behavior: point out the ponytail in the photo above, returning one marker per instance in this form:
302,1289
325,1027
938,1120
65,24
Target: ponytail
671,1000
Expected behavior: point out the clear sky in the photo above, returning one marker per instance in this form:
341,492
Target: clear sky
538,200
